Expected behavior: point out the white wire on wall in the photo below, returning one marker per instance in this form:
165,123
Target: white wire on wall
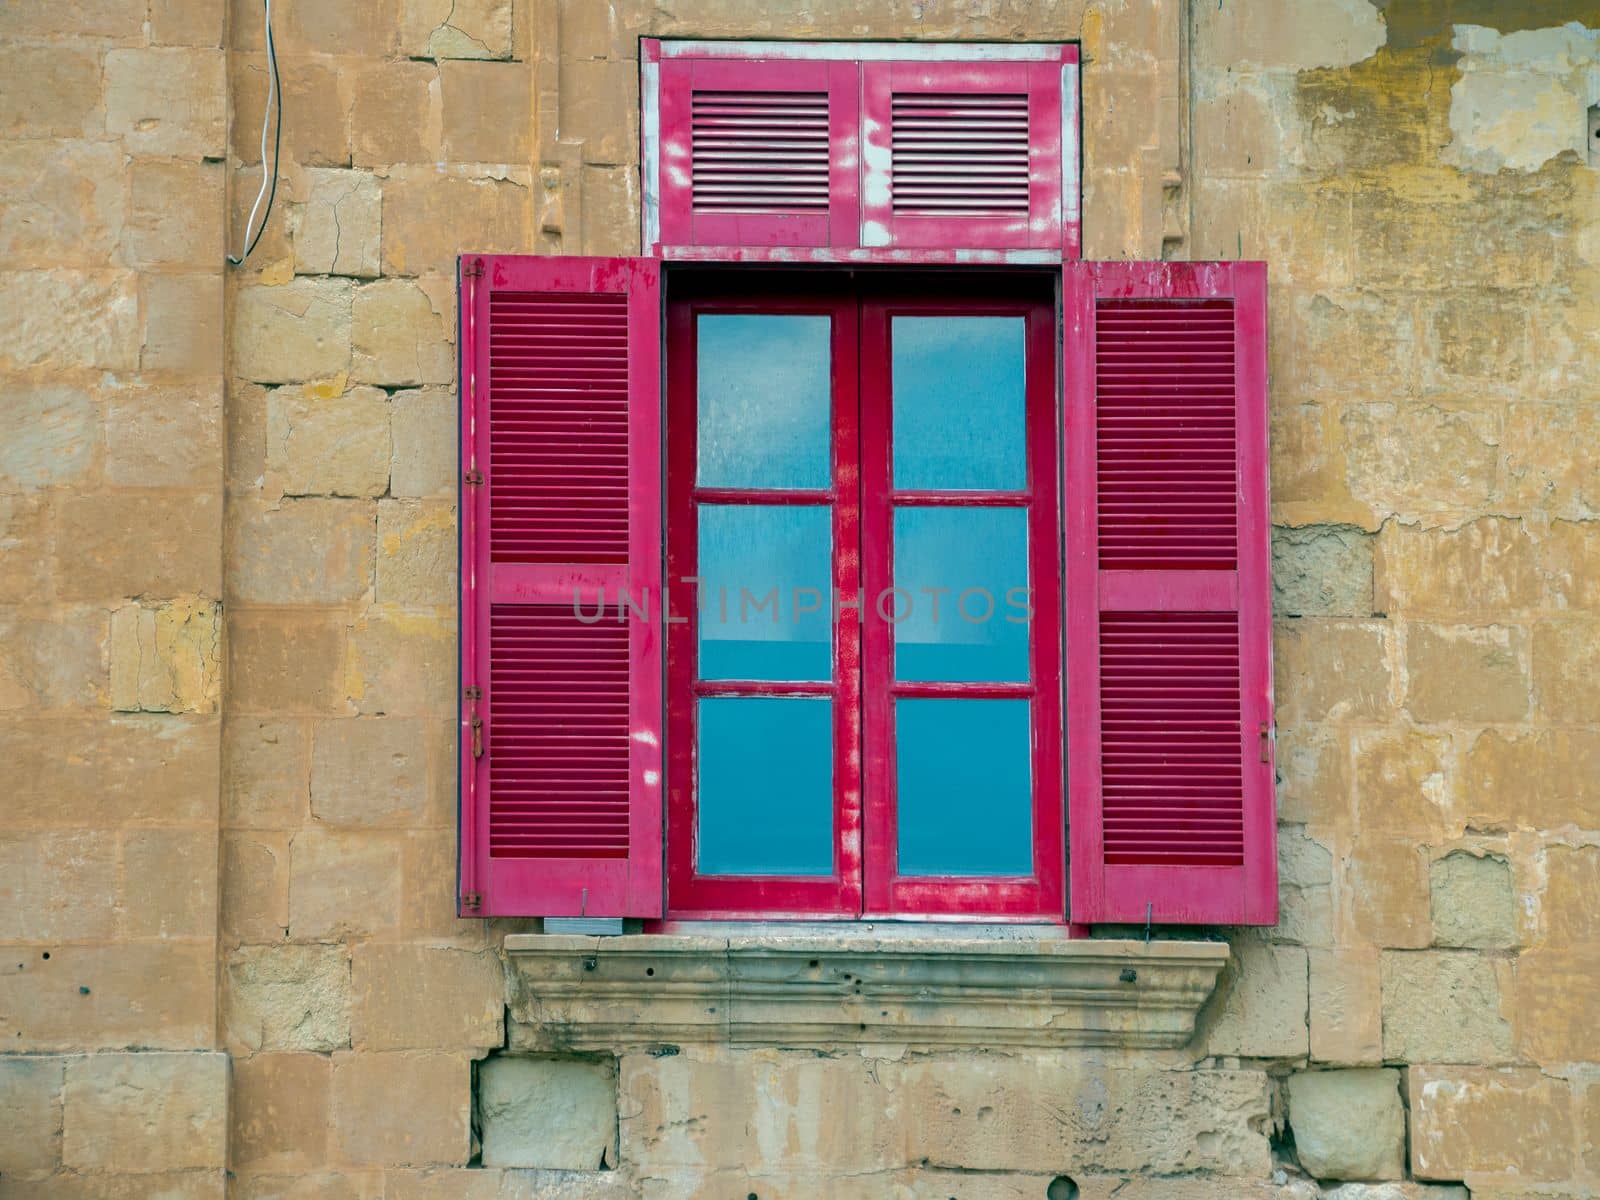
273,110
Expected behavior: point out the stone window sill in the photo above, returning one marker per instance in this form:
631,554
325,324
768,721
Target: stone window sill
914,986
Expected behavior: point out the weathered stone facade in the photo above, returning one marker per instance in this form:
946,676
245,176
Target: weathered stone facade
231,963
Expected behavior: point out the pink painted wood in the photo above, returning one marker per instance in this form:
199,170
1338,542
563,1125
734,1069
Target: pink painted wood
561,719
962,154
759,153
1170,779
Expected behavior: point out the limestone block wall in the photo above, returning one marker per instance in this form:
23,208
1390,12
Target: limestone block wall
113,128
229,962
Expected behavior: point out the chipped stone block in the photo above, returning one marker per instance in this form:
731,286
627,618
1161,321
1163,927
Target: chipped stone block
293,332
328,445
1446,1006
286,997
340,225
1324,570
167,657
1348,1124
1473,901
1264,1011
1512,1126
146,1111
460,28
399,338
548,1112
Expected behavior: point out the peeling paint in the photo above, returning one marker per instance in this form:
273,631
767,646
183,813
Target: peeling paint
1522,98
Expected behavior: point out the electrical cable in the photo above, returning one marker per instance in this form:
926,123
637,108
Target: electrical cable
273,109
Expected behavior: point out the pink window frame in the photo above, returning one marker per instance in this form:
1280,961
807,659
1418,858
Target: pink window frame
864,882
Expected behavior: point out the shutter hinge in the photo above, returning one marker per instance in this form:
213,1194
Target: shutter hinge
471,901
475,478
473,693
477,737
473,269
1268,736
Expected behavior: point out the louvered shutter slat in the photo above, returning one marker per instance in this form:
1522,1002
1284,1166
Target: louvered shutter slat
561,720
962,155
1170,800
758,153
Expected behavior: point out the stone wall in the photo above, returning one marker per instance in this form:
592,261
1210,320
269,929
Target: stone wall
113,132
227,666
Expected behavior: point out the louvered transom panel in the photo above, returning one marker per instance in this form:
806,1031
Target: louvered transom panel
558,428
959,155
759,152
1165,431
1171,777
558,734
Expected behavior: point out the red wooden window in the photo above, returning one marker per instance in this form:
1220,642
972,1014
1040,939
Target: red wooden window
755,150
1168,641
561,715
875,711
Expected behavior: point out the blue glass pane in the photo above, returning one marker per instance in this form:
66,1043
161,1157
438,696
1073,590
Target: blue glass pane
964,778
766,786
963,601
766,591
959,408
764,390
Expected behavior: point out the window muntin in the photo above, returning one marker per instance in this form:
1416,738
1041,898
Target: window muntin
946,780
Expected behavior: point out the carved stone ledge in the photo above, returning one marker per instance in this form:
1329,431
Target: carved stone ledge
815,990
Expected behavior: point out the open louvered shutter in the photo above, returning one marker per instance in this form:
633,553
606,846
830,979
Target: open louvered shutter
963,154
758,152
1170,778
560,507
